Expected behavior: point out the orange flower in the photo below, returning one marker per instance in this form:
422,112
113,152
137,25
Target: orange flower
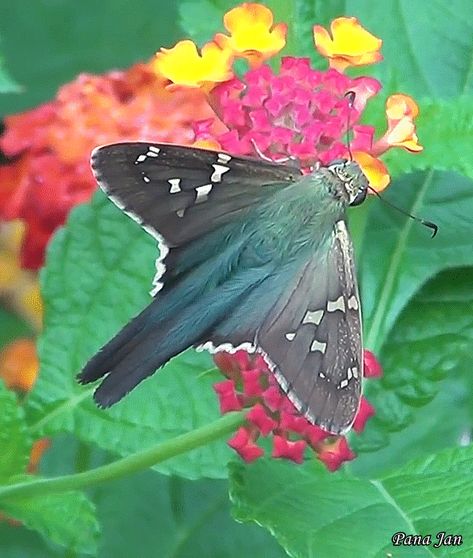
50,145
398,106
19,365
184,65
349,44
37,450
401,110
252,33
374,170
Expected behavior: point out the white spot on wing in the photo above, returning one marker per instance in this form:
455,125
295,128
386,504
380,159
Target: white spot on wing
313,317
140,159
223,158
153,151
338,304
343,384
219,170
318,346
180,213
203,192
290,336
175,188
146,178
353,303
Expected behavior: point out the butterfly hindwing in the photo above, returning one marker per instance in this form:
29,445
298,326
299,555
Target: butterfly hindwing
180,192
306,322
314,338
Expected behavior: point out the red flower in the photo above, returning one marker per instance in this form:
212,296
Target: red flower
244,445
50,146
371,366
251,385
364,413
334,452
289,450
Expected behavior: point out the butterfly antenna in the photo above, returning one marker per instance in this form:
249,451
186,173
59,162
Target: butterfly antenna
350,95
428,224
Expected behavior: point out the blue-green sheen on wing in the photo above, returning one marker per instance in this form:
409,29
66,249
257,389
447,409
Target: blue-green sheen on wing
252,253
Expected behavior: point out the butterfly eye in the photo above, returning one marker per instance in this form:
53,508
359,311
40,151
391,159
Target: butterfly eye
360,196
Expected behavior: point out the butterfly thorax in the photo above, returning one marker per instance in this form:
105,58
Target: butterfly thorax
299,218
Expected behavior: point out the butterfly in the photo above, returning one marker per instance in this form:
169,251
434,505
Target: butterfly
254,254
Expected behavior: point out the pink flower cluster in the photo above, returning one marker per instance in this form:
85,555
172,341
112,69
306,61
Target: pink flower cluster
250,385
300,112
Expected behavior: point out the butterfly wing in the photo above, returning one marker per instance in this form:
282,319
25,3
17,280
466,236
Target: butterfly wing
180,193
303,317
306,322
189,199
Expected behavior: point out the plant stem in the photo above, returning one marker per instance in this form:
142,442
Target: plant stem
130,464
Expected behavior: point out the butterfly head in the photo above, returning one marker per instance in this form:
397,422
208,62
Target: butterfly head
352,184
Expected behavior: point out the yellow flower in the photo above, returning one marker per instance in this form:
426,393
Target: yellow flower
349,44
252,33
19,287
401,110
374,170
184,65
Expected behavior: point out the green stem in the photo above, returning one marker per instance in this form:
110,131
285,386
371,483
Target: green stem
376,334
131,464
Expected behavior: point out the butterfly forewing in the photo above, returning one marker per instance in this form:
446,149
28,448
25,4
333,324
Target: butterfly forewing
181,192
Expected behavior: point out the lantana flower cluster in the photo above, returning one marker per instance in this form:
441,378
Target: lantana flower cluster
250,384
194,97
49,146
298,113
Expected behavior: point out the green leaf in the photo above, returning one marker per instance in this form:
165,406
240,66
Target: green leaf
78,37
67,519
315,513
98,274
437,425
189,515
398,256
7,83
428,345
200,21
427,47
11,327
445,130
19,542
15,443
